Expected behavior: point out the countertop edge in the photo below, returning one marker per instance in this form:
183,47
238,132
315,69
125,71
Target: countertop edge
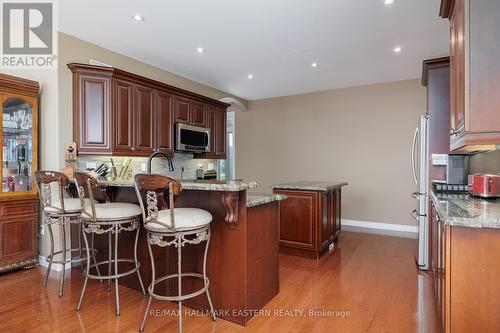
254,200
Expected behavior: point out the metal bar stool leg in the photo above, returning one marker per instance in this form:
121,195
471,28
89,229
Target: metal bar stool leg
87,269
109,260
179,279
63,249
151,286
116,272
93,256
212,312
51,254
137,264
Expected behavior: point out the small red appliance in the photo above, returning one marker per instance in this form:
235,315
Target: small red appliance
484,186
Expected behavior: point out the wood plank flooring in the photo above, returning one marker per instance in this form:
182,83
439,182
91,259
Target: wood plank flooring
373,278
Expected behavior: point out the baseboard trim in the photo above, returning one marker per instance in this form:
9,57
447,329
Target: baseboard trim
56,267
399,230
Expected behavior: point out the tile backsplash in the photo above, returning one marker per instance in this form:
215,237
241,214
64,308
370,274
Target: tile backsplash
159,164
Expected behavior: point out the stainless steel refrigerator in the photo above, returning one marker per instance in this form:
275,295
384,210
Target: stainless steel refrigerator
420,173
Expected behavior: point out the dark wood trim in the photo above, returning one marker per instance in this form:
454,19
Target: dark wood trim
433,64
86,68
446,8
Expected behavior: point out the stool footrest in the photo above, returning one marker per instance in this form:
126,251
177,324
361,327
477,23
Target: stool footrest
181,297
114,276
68,261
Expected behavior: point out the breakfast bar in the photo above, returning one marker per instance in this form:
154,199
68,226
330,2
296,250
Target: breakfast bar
242,262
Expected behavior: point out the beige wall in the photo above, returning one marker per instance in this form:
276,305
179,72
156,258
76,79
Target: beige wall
72,49
360,135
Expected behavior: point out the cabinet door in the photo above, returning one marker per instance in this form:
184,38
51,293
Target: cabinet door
198,114
144,110
92,123
220,133
164,122
210,120
18,134
123,112
460,60
299,215
182,109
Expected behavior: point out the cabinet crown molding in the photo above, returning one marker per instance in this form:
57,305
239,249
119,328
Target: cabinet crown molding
19,85
118,73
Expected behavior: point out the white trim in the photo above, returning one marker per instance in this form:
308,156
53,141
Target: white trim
55,267
402,230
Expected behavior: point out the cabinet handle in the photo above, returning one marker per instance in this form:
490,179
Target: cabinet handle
454,132
133,148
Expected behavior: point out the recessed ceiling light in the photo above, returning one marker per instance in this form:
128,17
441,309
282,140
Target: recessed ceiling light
388,2
137,17
398,49
250,76
314,64
200,50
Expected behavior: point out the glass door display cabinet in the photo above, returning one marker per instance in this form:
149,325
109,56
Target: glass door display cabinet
19,160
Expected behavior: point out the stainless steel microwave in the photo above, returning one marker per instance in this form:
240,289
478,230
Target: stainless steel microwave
192,138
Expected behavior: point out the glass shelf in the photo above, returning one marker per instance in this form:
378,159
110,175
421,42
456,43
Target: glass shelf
17,146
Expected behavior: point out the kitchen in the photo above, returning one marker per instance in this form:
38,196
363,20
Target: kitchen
291,162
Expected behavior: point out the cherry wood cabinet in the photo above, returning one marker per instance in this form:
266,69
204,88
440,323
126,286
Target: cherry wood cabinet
123,114
164,121
144,120
309,221
464,267
474,74
18,198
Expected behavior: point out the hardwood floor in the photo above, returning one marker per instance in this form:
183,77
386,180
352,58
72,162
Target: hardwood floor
371,277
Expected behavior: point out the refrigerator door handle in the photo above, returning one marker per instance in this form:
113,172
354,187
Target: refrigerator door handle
413,146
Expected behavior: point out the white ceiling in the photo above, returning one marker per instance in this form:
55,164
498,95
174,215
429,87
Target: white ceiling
275,40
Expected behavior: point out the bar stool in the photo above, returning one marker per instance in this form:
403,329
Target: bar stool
171,226
109,218
59,210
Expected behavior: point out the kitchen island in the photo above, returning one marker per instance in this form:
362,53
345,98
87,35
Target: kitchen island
242,262
310,220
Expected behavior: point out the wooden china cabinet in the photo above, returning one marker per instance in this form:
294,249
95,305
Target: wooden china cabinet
19,160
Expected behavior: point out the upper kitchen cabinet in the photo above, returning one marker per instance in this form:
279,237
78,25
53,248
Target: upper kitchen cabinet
92,110
123,114
189,112
474,74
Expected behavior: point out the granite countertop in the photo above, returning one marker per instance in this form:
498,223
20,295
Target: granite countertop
256,199
466,211
323,186
202,185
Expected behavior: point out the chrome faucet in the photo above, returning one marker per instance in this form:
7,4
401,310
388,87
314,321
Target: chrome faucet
169,160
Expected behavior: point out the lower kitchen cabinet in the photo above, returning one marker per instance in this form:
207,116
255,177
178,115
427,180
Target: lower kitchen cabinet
18,233
464,264
309,221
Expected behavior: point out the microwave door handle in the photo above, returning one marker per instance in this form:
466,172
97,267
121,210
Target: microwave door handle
206,139
412,155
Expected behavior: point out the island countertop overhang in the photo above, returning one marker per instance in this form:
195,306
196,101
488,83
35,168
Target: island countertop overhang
198,185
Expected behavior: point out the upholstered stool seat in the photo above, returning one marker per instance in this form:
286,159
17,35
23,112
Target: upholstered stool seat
112,211
71,205
185,218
